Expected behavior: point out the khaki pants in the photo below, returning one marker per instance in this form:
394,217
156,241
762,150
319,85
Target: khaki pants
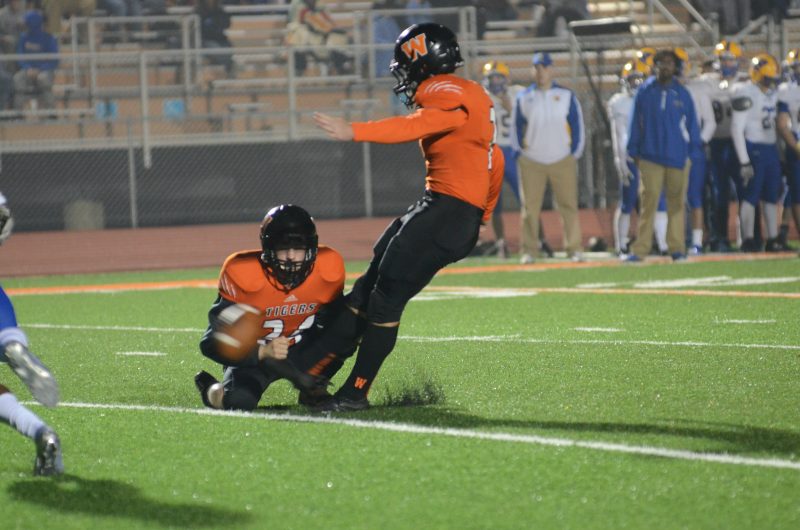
563,178
674,181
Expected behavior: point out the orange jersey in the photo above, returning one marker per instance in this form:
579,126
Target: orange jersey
243,281
455,129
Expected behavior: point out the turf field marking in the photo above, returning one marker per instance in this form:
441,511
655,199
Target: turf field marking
453,338
142,353
600,330
662,452
713,281
743,321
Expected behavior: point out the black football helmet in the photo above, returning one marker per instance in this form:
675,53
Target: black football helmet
423,50
284,227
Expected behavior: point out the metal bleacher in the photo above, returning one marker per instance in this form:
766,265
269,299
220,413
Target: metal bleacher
150,77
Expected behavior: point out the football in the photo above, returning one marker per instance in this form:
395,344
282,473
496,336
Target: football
237,329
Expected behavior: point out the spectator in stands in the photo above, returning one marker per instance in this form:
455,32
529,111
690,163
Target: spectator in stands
35,76
663,114
54,10
493,10
558,13
732,15
213,23
416,14
385,31
12,24
311,25
547,129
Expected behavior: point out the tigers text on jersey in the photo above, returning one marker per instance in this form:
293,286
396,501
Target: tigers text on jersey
619,113
547,125
243,281
756,122
455,131
503,116
789,102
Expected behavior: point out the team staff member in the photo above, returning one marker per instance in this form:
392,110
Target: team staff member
296,283
547,129
663,131
753,131
453,124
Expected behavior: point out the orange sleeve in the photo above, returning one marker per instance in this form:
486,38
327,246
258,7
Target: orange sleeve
495,181
399,129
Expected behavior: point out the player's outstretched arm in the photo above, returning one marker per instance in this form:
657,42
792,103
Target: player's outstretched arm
337,128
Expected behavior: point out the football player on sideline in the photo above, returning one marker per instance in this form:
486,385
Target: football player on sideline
35,375
789,129
296,284
753,130
497,82
619,113
454,124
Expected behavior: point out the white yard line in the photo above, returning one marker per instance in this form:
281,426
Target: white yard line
477,338
662,452
142,353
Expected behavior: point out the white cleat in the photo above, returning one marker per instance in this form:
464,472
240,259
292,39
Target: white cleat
33,373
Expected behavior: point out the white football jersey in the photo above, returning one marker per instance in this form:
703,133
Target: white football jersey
619,109
789,95
701,91
719,91
503,116
756,122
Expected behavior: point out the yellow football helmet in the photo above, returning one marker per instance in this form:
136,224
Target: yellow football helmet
646,55
685,67
728,54
633,74
496,76
793,65
726,49
764,70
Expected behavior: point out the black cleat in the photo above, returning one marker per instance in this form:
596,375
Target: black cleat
750,245
343,404
314,399
776,245
48,453
203,381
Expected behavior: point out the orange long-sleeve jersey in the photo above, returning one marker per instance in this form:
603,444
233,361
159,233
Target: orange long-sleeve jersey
455,128
242,280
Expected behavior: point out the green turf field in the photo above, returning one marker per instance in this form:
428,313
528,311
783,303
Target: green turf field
644,397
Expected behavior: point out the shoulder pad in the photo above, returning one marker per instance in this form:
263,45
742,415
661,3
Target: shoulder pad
441,93
329,265
242,271
741,103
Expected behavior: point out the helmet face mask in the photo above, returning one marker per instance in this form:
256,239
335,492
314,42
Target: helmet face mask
793,65
496,76
633,74
288,227
728,54
422,51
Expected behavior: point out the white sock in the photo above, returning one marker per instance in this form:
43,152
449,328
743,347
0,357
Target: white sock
771,219
622,224
660,228
697,237
16,415
747,218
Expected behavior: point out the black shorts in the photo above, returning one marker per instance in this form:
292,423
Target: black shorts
436,231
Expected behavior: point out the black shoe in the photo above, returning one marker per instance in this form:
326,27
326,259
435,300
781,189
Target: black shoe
775,245
750,245
545,249
203,381
343,404
316,397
